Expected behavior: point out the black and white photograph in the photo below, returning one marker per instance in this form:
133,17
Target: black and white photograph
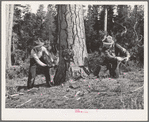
74,60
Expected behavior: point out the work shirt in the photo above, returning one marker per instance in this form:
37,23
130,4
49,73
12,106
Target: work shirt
115,51
110,55
38,54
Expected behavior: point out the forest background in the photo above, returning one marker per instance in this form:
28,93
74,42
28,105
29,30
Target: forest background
28,27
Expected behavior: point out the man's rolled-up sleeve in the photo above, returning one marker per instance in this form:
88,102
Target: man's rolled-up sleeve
34,55
122,50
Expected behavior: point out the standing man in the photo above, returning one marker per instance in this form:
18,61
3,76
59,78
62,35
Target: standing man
36,61
113,54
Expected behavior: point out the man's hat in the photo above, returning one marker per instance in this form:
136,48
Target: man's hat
38,43
107,41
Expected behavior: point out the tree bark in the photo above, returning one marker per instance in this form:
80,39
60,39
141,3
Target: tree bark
9,24
71,36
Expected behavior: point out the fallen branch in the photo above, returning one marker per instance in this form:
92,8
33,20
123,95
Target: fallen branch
66,97
16,94
23,103
32,89
138,89
77,93
10,96
79,98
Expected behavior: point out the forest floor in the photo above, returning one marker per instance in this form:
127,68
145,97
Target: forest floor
126,92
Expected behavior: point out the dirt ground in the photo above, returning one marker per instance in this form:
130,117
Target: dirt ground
126,92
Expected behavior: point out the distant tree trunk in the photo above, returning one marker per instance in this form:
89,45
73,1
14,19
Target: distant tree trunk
71,36
105,19
9,24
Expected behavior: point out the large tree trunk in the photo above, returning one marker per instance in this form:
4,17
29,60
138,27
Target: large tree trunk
71,36
9,23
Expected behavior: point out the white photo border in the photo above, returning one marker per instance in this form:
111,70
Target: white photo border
69,114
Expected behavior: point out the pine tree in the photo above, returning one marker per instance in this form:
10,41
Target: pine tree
73,53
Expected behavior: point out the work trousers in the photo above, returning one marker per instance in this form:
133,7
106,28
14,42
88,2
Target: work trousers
113,67
111,64
33,71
